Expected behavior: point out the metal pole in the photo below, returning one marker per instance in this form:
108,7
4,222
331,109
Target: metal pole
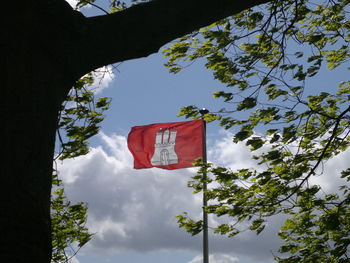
205,215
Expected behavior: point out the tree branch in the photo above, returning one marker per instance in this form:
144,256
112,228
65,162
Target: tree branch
143,29
320,158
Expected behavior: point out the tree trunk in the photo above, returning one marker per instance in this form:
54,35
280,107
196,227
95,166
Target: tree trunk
45,47
35,82
33,94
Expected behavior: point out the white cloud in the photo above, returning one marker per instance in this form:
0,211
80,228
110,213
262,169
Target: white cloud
73,3
74,260
330,179
103,77
129,209
135,209
224,152
216,258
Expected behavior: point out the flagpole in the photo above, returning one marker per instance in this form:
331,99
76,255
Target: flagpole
205,215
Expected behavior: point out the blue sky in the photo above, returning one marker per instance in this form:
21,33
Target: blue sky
132,212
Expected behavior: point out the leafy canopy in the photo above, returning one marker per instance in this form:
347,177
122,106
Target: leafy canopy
79,120
267,56
68,221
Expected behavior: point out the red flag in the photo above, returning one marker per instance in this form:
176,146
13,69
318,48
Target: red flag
167,145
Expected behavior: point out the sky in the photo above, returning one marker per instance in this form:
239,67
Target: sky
132,212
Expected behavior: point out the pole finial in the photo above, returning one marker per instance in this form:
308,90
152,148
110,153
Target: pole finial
203,111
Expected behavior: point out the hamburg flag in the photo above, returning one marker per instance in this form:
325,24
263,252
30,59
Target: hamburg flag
169,146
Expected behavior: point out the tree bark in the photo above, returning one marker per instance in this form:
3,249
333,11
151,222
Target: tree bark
34,84
45,47
143,29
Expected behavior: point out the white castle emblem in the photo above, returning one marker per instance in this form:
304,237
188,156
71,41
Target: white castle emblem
164,148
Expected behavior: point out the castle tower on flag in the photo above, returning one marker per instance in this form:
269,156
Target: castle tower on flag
164,148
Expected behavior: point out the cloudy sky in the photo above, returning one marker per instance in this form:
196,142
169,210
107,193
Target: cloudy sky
132,212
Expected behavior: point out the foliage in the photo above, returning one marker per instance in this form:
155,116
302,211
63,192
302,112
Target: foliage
68,220
79,119
266,57
114,5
